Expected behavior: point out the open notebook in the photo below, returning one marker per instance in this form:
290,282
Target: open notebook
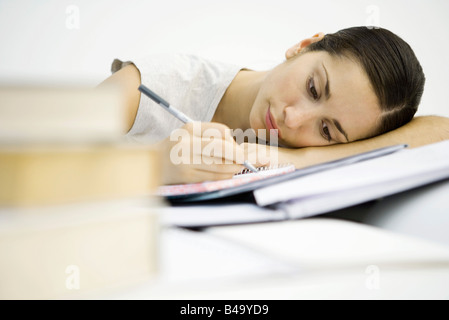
248,181
213,189
319,189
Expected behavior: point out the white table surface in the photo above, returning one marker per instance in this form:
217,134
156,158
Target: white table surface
317,258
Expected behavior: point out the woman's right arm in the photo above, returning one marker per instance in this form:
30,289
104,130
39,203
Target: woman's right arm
224,166
127,80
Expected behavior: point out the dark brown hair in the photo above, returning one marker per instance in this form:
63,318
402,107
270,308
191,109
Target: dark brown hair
394,71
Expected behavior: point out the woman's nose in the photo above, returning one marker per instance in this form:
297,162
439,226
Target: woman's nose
296,116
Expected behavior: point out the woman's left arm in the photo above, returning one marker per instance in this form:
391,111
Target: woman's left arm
420,131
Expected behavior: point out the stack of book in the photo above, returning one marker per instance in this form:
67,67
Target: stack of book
76,209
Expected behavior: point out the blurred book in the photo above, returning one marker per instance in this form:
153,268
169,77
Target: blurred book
76,207
61,115
55,174
69,251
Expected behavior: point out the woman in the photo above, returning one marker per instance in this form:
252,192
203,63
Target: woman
333,89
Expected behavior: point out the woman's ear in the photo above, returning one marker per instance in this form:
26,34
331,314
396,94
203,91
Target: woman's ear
293,51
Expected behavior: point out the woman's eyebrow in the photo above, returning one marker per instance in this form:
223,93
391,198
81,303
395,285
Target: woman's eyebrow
327,93
339,128
326,87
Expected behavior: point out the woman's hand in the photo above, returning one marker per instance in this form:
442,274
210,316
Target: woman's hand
263,155
200,152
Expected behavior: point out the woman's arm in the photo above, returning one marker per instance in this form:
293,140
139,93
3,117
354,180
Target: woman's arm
128,81
420,131
220,165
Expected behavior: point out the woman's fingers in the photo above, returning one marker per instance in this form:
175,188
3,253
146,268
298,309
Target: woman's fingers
207,151
201,152
260,155
218,151
199,175
212,141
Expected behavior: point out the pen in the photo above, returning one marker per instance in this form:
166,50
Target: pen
178,114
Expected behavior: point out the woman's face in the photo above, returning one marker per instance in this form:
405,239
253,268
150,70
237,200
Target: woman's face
314,99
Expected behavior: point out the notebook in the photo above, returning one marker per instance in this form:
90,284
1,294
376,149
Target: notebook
318,189
246,182
361,182
209,189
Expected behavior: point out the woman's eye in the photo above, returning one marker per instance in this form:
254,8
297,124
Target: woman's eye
326,133
312,89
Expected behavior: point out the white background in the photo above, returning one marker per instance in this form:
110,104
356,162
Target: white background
54,42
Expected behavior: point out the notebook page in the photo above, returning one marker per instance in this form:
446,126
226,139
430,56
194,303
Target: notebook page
208,186
410,166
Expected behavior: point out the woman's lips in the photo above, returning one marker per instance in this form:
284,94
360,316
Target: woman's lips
271,123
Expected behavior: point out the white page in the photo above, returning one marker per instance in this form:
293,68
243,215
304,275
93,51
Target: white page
414,167
322,203
320,243
187,255
210,215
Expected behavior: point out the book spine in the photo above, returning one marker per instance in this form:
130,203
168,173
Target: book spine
54,176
